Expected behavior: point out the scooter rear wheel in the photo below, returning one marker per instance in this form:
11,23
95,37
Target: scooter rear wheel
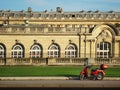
100,76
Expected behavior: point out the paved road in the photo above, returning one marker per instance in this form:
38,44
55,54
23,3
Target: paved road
59,84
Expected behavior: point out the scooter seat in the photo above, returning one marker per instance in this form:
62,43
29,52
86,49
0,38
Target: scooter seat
94,69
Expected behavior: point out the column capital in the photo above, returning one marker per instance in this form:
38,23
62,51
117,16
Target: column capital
90,40
117,40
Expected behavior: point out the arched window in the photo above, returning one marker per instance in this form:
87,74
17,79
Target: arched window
36,51
2,51
18,51
71,51
103,50
53,51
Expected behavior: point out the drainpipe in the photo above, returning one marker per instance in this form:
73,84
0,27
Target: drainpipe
85,45
79,53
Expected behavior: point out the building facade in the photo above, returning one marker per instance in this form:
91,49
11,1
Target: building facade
31,37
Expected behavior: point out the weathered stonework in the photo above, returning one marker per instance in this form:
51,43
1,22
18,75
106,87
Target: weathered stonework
93,34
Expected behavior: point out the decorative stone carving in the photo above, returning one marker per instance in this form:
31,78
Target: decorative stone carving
5,23
53,41
35,41
59,9
70,41
117,25
103,34
29,9
17,41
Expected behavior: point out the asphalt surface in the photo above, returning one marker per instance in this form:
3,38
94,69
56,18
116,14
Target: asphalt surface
58,82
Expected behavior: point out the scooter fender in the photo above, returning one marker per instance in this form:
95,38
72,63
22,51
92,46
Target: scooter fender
101,71
82,72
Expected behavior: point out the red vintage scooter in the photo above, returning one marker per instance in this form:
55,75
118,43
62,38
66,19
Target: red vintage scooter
95,74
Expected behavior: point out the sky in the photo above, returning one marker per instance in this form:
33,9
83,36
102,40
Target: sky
66,5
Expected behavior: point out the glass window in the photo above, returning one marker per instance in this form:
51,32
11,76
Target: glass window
2,50
53,51
71,51
18,51
103,50
36,51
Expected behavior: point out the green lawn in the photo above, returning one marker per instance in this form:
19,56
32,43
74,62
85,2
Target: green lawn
51,71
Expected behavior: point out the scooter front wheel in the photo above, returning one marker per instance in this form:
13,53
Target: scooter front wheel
82,76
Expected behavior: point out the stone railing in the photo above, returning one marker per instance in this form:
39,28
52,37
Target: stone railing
2,61
55,15
39,61
109,61
68,61
58,61
29,61
39,30
21,60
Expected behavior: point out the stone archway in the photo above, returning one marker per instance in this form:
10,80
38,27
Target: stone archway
102,34
102,29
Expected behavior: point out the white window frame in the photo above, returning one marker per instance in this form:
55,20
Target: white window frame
70,53
103,51
53,51
17,53
37,51
2,51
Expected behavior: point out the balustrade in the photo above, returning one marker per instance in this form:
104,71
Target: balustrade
58,61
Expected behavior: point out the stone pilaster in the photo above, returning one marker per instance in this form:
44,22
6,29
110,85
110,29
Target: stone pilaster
117,48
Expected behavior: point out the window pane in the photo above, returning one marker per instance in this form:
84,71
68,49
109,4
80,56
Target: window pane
15,53
101,46
1,53
19,53
72,53
101,54
68,52
105,54
55,53
105,46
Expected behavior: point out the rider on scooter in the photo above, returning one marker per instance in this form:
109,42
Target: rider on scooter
86,66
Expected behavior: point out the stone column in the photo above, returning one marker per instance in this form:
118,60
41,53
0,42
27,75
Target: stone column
92,48
45,29
88,48
79,51
63,29
85,46
117,48
82,47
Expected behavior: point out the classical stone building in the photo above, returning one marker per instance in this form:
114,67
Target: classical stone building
59,37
